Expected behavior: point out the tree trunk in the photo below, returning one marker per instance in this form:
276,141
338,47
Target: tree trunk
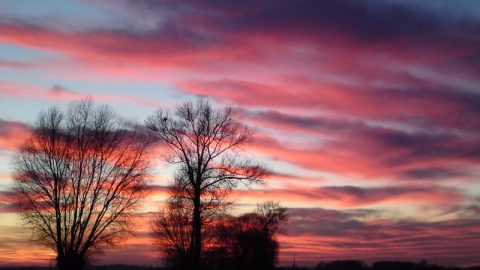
70,262
197,228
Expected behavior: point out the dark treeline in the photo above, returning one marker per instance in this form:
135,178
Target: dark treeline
334,265
380,265
231,242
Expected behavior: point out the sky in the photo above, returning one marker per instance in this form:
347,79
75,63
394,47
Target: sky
367,112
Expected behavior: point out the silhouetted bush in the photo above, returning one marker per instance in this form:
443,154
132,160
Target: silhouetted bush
344,265
394,265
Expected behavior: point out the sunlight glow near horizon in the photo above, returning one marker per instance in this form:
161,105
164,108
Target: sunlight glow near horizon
367,112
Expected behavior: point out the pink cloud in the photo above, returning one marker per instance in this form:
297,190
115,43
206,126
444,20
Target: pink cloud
63,93
378,151
13,135
14,64
59,92
341,197
341,235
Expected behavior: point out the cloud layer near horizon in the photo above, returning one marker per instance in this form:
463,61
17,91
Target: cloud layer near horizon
359,107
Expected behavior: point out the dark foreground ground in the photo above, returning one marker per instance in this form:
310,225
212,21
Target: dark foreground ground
335,265
90,267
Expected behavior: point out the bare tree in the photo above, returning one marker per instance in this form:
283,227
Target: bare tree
172,231
79,179
206,144
270,217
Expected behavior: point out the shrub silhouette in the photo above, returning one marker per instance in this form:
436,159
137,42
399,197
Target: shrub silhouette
393,265
345,265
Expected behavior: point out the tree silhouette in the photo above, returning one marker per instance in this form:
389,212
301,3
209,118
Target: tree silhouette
206,145
345,264
172,231
249,241
79,179
270,217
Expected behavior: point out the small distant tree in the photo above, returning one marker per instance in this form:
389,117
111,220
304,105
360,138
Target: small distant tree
397,265
271,217
79,180
206,145
249,241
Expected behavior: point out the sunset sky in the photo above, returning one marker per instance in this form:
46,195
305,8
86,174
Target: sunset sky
368,112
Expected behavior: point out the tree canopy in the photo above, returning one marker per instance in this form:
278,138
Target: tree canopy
79,179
